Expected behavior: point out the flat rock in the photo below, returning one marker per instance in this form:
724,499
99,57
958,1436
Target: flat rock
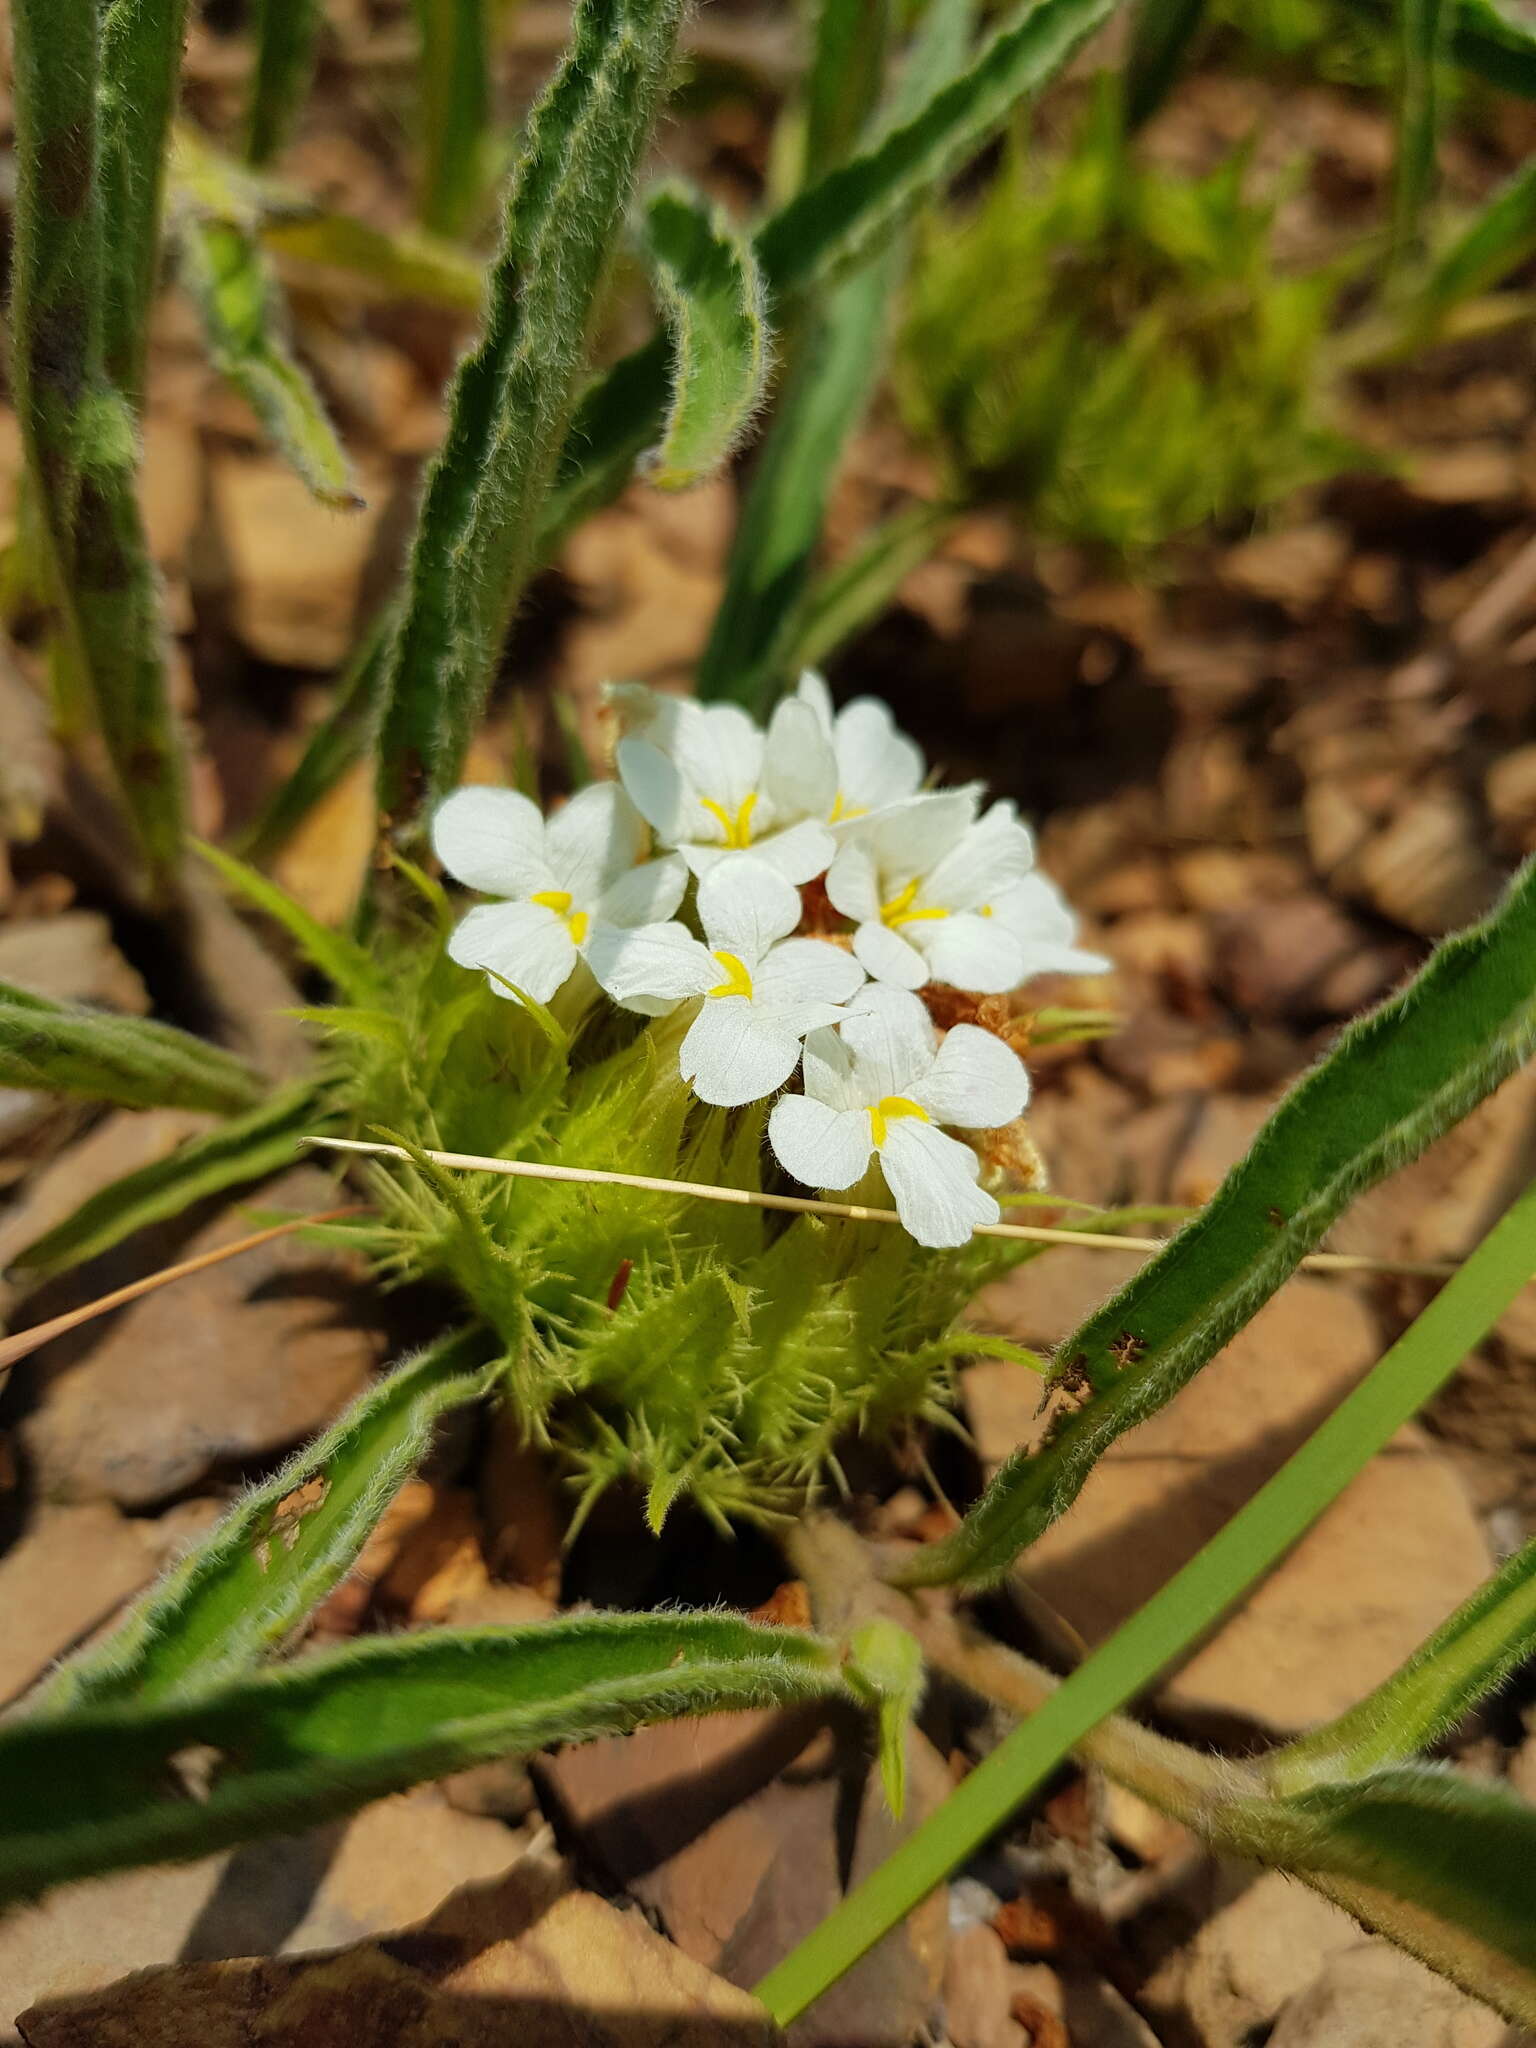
391,1864
1374,1996
233,1363
72,1568
732,1830
71,958
295,565
514,1962
1395,1554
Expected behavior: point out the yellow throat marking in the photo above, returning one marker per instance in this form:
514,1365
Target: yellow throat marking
899,910
737,830
842,810
559,901
737,980
888,1107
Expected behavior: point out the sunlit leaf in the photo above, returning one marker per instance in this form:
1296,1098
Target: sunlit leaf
66,1049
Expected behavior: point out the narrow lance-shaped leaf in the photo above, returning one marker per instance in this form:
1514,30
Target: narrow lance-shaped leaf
1487,1639
64,1049
454,109
140,63
845,79
830,223
98,1789
711,296
1162,34
1424,29
287,42
283,1547
233,287
1498,238
513,394
351,967
245,1149
1394,1083
1485,37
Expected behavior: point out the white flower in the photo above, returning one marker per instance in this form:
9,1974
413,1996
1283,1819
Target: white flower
713,785
567,880
872,765
885,1084
762,991
939,894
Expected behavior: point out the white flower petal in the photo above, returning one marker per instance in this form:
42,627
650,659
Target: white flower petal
492,840
820,1146
807,971
657,790
799,766
657,962
592,840
647,894
892,1040
812,690
876,764
800,853
993,855
745,904
720,752
525,943
886,956
1039,917
911,838
733,1055
829,1074
976,1081
932,1179
970,952
853,886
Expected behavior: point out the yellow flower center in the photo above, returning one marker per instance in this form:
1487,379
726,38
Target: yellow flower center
559,901
737,980
842,810
900,911
889,1106
737,830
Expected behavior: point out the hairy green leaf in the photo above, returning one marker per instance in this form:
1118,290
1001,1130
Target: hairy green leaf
513,394
1487,1639
845,79
287,43
65,1049
247,1148
140,61
342,960
1393,1083
454,110
711,297
232,285
284,1546
97,1789
1162,34
885,1665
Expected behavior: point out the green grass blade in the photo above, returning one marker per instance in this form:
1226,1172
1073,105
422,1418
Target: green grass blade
848,58
232,285
1492,243
1467,1657
512,398
1424,30
97,1790
247,1148
1485,38
1162,34
64,1049
343,961
711,296
454,111
1175,1618
140,63
287,45
1392,1084
616,422
255,1577
846,598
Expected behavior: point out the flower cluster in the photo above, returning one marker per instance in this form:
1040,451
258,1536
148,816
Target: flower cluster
830,889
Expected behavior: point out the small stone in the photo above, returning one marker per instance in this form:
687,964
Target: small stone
1429,869
1296,568
1374,1996
1268,1940
1305,957
978,1992
70,957
1224,1129
70,1571
295,565
1511,790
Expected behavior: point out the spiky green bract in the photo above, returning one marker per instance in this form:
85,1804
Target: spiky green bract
287,41
66,1049
711,295
1470,1655
454,110
78,430
104,1787
232,285
245,1149
683,1348
1394,1082
512,398
265,1567
140,62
